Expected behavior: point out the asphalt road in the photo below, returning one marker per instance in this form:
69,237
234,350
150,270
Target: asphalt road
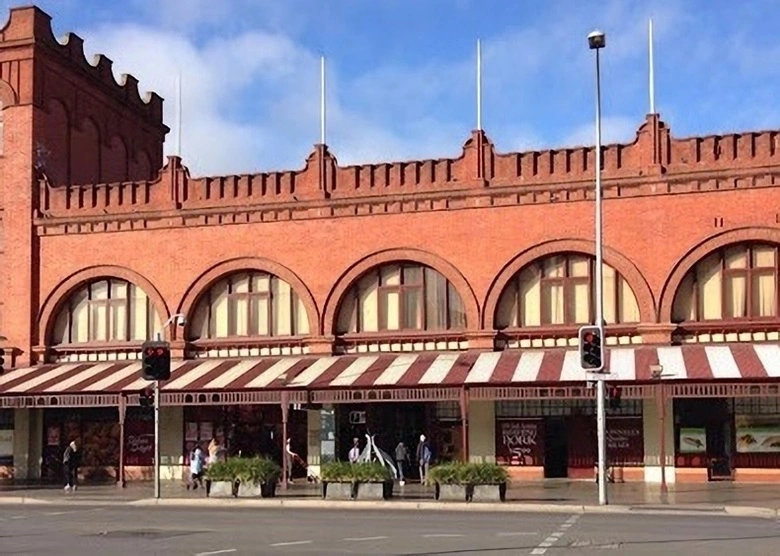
85,531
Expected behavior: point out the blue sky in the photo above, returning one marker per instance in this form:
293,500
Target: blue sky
401,73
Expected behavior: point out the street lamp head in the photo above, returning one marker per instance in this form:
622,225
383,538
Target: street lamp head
597,39
181,320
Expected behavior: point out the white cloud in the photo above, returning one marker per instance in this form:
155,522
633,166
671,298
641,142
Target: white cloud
614,129
251,90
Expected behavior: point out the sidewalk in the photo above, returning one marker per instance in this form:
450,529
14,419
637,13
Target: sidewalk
756,500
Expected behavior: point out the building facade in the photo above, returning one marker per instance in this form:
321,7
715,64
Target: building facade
432,296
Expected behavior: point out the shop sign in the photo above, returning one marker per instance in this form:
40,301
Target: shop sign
625,440
520,441
757,434
693,441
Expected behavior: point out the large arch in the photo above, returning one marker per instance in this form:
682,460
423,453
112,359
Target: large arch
225,268
446,269
47,316
624,266
701,250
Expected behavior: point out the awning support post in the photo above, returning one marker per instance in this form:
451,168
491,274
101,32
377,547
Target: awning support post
120,479
285,412
464,419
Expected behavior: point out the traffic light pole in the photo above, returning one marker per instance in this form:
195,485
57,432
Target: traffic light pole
157,439
601,424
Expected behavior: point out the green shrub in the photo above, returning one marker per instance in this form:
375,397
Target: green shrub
254,471
344,472
468,474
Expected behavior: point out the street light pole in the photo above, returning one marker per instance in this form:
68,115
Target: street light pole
597,41
181,320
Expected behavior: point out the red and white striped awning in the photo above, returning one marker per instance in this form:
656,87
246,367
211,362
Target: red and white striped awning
691,362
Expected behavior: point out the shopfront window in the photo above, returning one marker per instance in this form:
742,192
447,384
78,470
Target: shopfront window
403,296
249,304
736,282
106,311
6,439
558,290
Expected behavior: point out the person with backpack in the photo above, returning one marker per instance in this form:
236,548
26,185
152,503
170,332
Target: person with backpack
70,463
423,458
197,467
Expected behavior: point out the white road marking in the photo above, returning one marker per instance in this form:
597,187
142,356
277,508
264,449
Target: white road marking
555,536
73,512
517,534
293,543
18,516
441,536
216,552
359,539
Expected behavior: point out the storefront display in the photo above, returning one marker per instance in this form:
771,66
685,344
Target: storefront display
520,442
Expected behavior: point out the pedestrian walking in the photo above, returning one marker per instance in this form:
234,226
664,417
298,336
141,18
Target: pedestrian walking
423,458
70,463
401,455
291,458
197,466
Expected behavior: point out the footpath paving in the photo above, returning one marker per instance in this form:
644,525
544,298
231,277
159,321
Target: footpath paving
553,496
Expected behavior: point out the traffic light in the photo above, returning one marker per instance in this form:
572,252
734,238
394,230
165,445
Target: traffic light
146,397
2,361
615,393
591,348
156,360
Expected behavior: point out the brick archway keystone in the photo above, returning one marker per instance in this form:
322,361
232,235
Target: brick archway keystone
223,269
700,251
446,269
626,268
62,292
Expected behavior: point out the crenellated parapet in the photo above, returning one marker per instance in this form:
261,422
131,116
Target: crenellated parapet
32,26
322,188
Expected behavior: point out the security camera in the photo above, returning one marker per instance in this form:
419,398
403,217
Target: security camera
181,320
597,39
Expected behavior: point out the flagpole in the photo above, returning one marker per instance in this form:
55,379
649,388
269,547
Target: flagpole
479,84
322,100
652,69
178,115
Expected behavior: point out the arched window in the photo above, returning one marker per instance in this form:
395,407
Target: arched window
558,290
106,310
249,304
401,296
736,282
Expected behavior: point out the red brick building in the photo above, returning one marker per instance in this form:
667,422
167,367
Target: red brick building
437,296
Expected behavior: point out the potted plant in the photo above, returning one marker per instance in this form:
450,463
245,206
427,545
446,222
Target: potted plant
257,477
243,477
480,482
352,481
221,479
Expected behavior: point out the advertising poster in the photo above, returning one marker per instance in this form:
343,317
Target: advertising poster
520,442
693,441
6,446
191,432
757,434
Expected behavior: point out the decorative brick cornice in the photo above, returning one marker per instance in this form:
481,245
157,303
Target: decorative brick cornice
495,195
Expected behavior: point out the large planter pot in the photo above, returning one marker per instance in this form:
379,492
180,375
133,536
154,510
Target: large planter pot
221,489
470,493
450,493
357,491
262,490
488,493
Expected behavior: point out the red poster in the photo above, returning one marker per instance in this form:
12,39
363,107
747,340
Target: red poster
625,441
139,443
520,441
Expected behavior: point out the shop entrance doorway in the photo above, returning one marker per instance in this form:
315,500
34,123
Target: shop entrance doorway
556,453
